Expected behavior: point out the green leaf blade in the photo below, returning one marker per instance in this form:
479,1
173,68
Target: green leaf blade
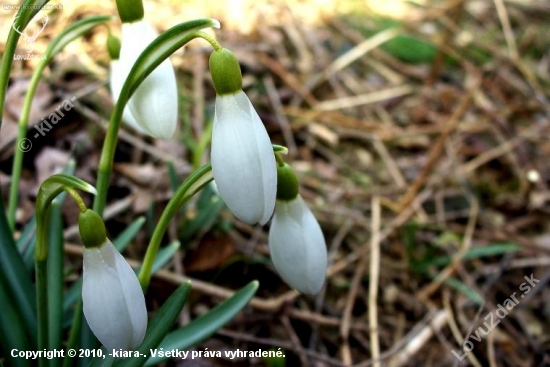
74,31
206,325
160,325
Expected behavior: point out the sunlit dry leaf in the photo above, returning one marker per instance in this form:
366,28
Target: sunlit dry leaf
211,253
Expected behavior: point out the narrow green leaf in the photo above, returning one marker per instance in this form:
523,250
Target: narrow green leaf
17,279
100,362
410,49
150,215
275,361
159,325
467,291
24,240
89,341
209,206
128,235
202,144
172,176
478,252
70,300
12,328
26,243
74,334
164,255
74,31
206,325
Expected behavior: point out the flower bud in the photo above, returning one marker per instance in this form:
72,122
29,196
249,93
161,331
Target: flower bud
297,246
113,46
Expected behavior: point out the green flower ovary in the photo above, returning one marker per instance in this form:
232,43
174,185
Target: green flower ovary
92,229
226,72
287,183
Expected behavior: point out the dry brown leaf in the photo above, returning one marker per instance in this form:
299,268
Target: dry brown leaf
212,253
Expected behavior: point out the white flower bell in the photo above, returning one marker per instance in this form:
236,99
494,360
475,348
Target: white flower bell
113,302
154,105
297,246
243,163
116,83
296,242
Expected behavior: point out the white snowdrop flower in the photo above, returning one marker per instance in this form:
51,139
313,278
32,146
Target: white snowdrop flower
113,301
243,162
297,246
116,83
154,104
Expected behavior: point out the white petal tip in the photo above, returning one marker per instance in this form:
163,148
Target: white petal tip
215,23
280,149
92,190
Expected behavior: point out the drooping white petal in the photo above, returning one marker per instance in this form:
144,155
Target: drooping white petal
297,246
116,81
243,162
113,302
154,104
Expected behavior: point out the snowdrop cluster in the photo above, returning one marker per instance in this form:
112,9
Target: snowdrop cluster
254,182
253,185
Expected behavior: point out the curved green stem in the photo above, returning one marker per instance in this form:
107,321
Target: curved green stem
107,157
21,133
215,45
41,266
190,187
29,8
279,160
25,14
48,191
58,43
159,50
77,198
